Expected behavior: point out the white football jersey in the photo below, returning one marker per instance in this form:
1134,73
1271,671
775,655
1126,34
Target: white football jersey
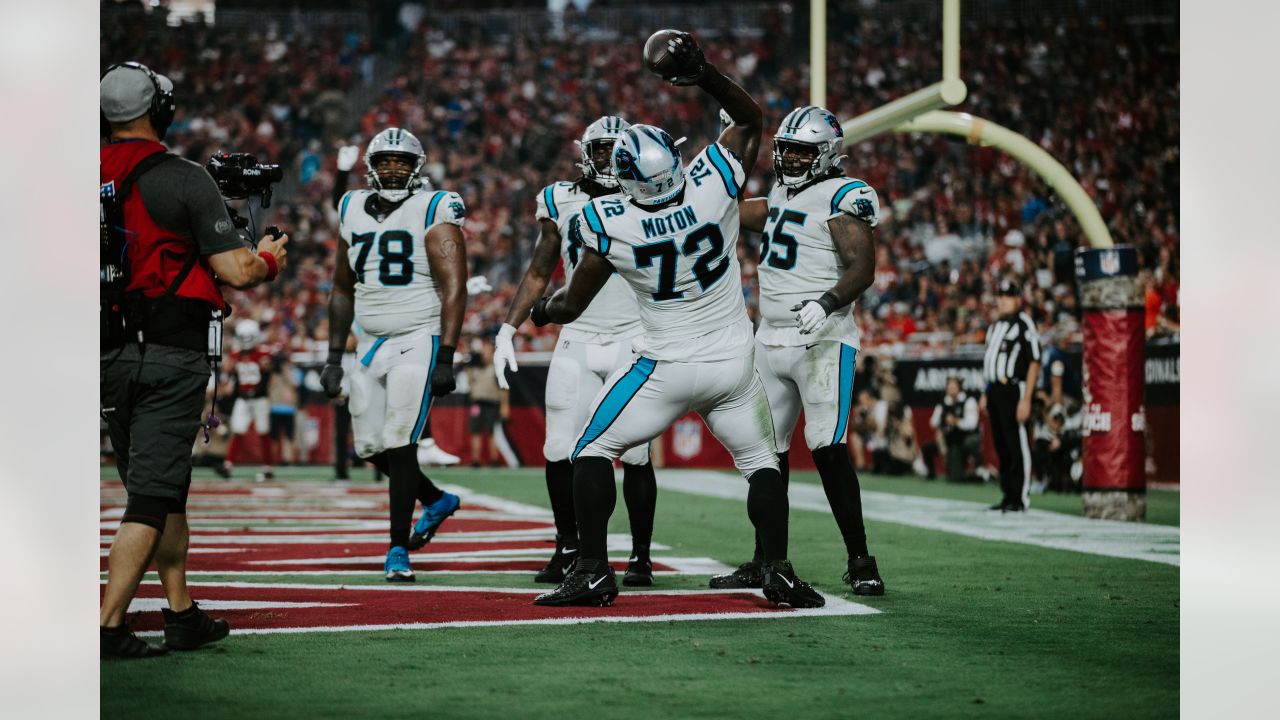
395,291
799,260
612,314
681,261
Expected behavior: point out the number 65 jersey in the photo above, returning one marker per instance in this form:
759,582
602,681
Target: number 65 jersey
799,260
395,291
681,261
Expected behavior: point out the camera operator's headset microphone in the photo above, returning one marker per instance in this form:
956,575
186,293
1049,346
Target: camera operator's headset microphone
163,106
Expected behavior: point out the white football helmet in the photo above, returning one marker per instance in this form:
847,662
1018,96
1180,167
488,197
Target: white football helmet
646,162
601,132
815,128
398,142
248,333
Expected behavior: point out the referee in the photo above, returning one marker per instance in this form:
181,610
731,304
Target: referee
1010,367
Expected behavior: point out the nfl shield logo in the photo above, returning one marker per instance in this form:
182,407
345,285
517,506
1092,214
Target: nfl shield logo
688,438
1109,262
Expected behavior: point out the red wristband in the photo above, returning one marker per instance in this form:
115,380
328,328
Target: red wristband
272,268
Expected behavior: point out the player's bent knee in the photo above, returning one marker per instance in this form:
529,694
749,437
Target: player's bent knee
556,449
150,510
638,455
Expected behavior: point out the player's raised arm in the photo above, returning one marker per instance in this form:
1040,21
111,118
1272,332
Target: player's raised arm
342,310
676,57
754,212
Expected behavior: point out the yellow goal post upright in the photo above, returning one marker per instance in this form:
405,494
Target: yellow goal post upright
922,112
1114,481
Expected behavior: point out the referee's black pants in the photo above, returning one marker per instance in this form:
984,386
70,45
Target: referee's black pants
1010,439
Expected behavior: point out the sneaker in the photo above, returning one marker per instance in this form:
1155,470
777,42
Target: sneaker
193,631
120,642
397,565
432,517
560,564
864,577
591,583
748,575
223,471
782,587
639,572
429,453
265,475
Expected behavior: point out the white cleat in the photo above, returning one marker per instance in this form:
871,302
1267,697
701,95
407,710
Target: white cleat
431,454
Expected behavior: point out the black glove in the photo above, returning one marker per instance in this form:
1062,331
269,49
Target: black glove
688,56
539,313
442,380
331,375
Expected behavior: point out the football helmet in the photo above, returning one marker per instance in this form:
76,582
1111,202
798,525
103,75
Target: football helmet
601,132
248,333
646,162
395,141
811,129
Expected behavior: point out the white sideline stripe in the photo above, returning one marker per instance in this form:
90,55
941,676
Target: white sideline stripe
480,556
365,573
105,552
396,587
443,538
156,604
836,606
1137,541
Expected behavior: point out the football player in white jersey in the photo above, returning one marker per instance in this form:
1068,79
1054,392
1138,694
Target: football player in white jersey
673,238
401,272
587,352
817,256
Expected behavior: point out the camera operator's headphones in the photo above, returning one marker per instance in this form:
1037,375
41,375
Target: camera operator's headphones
163,106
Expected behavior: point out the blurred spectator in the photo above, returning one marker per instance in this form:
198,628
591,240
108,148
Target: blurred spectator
488,406
956,420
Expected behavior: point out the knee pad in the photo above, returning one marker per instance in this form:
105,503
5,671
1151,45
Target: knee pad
149,510
557,447
638,455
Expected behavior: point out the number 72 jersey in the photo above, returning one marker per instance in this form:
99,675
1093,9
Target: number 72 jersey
395,290
681,261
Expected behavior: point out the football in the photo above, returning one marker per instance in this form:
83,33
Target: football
658,57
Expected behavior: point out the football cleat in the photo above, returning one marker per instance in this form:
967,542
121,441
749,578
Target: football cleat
560,564
748,575
397,565
864,577
429,453
591,584
782,587
120,642
192,632
639,572
432,517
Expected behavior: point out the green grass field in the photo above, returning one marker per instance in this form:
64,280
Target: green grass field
968,628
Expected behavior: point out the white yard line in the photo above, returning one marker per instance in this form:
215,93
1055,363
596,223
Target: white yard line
1138,541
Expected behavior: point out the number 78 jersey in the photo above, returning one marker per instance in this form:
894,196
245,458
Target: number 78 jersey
395,290
681,261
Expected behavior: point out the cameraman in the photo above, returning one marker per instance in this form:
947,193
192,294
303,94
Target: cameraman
157,322
956,420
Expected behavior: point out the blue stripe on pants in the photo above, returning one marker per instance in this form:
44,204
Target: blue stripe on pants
847,357
426,393
368,356
614,401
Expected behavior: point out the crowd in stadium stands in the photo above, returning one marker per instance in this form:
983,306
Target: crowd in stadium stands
498,117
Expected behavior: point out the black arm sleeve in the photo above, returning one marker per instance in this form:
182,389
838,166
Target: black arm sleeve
340,182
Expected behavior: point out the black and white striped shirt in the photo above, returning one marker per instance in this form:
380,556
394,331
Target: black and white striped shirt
1012,345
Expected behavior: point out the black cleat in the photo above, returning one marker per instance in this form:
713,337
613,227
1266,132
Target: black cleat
639,572
864,577
591,584
560,564
782,587
192,632
120,642
748,575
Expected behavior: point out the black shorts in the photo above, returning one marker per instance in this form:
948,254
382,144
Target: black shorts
152,405
282,425
484,415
